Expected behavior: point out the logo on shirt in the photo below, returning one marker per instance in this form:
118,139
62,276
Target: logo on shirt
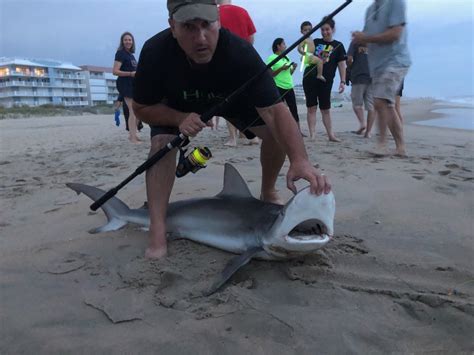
363,50
324,51
203,96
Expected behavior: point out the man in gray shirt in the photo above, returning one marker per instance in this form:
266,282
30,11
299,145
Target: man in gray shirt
361,93
385,34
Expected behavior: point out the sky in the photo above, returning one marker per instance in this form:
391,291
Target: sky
440,33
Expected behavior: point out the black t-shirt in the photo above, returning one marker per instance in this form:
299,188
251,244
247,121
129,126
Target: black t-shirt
360,67
165,75
127,59
332,53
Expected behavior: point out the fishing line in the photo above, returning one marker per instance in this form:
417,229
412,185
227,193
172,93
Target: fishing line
208,115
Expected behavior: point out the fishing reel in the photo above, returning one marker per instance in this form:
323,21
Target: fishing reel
192,162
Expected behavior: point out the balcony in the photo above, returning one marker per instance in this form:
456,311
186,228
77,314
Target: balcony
33,75
71,76
25,94
25,84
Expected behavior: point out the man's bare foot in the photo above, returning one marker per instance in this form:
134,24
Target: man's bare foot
334,139
156,253
359,131
231,143
135,140
271,197
322,78
255,141
400,153
367,135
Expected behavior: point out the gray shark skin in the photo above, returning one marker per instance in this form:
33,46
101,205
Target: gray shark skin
236,222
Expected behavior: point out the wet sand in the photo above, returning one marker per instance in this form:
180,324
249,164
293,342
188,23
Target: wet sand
397,277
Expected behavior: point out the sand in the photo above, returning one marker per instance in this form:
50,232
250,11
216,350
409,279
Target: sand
397,278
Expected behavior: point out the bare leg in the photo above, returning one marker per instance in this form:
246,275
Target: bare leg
232,142
159,183
388,116
359,112
370,123
319,66
397,108
311,118
272,158
328,125
132,122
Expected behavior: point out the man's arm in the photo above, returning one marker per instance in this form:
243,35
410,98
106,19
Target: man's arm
189,124
159,114
285,130
391,35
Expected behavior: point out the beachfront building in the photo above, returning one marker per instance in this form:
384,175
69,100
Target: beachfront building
26,82
100,81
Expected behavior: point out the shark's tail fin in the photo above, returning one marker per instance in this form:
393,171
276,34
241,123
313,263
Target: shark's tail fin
114,209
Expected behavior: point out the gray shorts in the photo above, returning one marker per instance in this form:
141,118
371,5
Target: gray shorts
362,95
385,85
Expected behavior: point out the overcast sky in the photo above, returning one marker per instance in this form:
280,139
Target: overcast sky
88,31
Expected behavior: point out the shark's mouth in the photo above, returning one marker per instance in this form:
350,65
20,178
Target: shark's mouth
308,230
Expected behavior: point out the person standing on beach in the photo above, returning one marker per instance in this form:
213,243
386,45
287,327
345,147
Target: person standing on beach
361,93
238,21
318,92
282,74
385,34
125,67
187,69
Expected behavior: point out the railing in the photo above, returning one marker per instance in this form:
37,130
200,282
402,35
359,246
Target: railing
15,73
70,76
40,94
40,84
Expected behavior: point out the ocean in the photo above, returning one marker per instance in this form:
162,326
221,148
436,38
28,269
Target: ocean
461,116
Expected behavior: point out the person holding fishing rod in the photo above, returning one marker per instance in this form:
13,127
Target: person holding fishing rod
192,66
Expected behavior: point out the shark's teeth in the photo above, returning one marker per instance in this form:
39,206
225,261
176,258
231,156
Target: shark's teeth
309,229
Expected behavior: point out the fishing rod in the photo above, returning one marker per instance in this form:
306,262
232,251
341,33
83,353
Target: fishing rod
181,140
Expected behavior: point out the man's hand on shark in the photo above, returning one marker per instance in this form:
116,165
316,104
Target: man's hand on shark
319,183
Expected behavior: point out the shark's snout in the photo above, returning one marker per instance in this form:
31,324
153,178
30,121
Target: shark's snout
305,225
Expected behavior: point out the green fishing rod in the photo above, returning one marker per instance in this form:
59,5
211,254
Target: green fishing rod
181,140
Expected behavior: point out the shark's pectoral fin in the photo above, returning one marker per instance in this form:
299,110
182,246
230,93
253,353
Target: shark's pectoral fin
232,267
113,225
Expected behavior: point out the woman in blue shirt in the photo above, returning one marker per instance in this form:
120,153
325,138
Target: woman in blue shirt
125,67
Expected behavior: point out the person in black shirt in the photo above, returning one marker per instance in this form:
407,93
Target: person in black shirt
125,67
318,92
185,70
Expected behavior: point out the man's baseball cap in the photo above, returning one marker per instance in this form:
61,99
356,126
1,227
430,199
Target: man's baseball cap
186,10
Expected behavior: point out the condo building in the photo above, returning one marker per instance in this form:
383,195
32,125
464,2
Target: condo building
34,82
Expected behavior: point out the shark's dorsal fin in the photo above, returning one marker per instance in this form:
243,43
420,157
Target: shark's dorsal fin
234,184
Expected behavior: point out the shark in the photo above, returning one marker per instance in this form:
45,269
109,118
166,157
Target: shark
236,222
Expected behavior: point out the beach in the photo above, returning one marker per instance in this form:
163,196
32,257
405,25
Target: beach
396,278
